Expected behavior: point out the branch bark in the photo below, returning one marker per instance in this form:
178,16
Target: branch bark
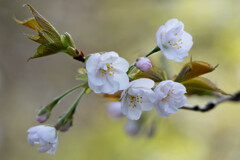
212,104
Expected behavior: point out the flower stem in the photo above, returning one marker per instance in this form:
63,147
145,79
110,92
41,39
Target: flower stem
156,49
69,91
51,105
70,111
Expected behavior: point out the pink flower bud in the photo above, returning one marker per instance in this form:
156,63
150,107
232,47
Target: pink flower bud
42,118
114,109
65,127
144,64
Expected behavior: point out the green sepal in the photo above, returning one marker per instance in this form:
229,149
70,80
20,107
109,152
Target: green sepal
201,86
42,111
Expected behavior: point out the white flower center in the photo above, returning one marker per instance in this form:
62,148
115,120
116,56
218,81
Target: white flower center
170,92
176,42
109,70
134,101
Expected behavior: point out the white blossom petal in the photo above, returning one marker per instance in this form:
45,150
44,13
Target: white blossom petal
142,83
161,111
171,23
44,148
32,138
132,112
92,62
47,134
121,64
122,79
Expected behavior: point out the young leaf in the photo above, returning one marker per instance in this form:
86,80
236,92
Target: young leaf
45,25
193,69
38,39
201,86
67,40
46,50
51,41
30,23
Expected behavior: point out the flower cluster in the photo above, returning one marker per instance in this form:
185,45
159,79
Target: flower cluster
137,87
108,73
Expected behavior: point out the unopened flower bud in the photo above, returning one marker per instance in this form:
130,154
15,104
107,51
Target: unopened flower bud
66,126
132,128
114,109
144,64
42,118
43,115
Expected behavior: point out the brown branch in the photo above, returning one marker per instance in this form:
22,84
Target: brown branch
212,104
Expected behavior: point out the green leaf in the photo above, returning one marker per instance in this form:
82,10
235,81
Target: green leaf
201,86
193,69
30,23
46,27
38,39
46,50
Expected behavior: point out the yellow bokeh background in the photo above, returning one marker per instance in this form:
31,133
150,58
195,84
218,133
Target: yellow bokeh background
127,27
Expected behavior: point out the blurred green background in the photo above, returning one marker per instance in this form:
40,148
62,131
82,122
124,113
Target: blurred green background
127,27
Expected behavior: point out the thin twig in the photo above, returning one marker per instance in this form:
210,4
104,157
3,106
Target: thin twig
212,104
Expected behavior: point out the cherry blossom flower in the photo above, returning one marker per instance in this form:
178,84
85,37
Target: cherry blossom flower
144,64
137,97
169,97
173,41
107,72
46,136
